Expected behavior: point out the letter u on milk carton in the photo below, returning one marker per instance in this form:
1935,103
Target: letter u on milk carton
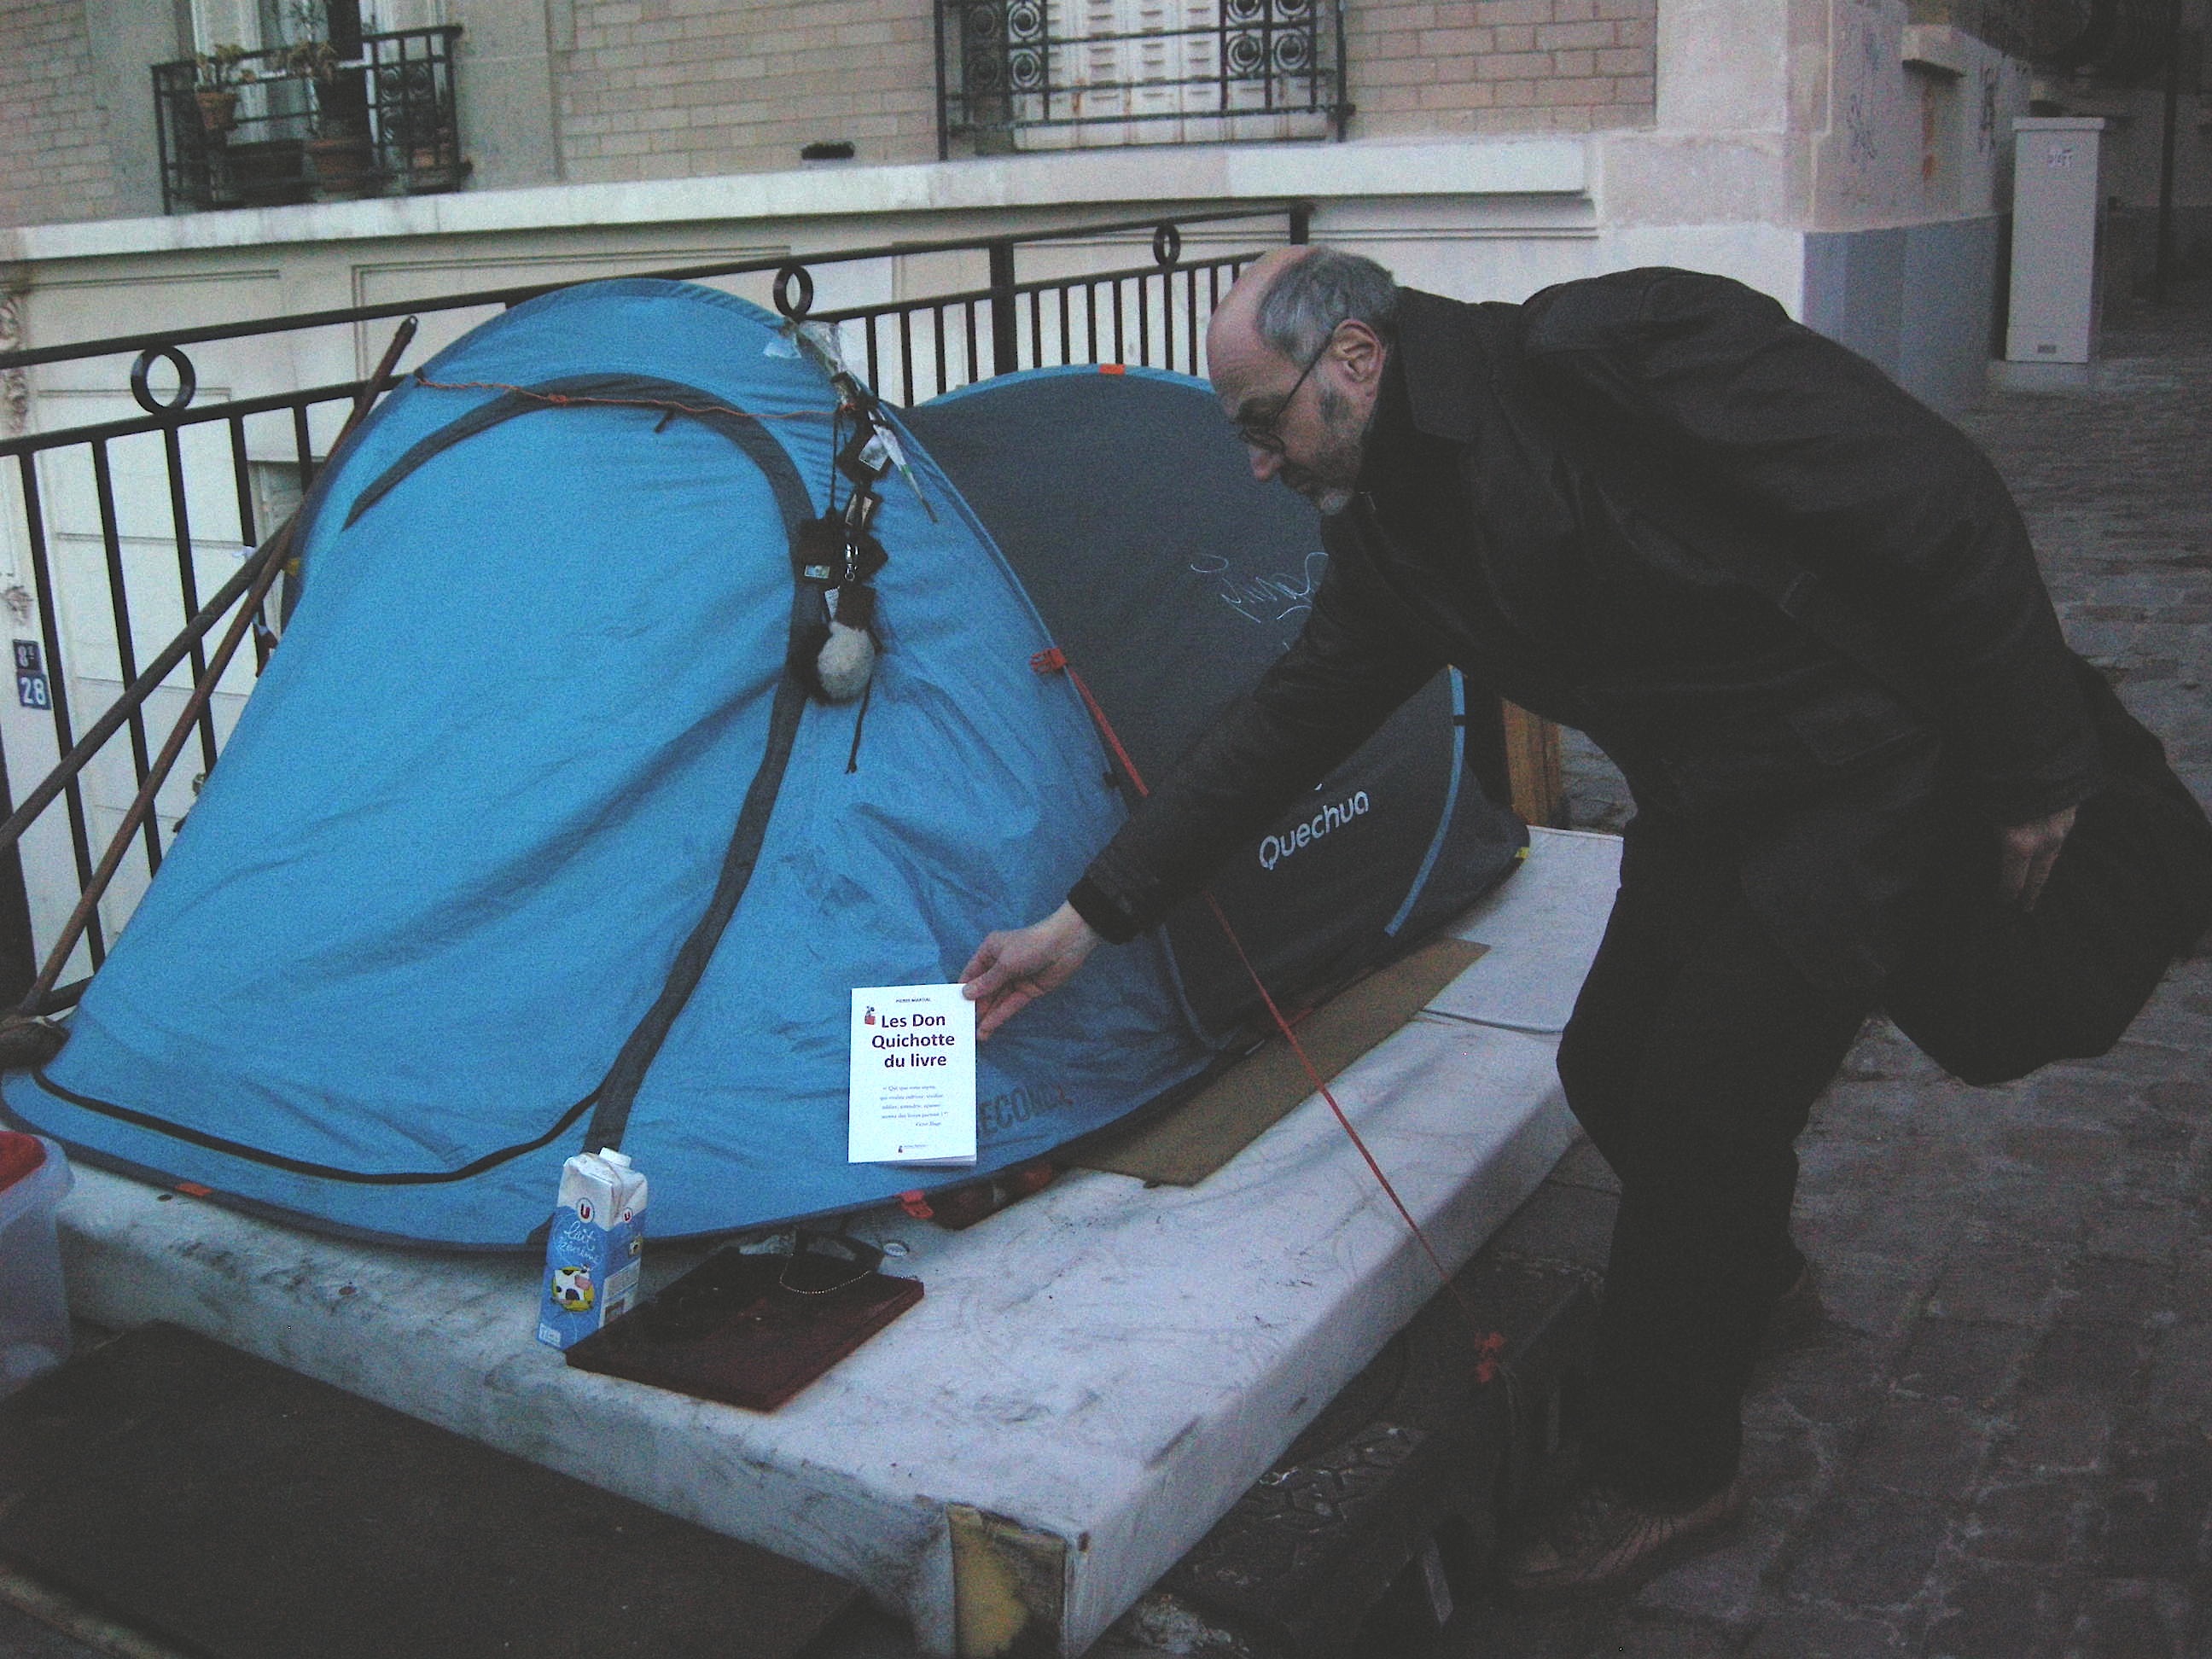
595,1248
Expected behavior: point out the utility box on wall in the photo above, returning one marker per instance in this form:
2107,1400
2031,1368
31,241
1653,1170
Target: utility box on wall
2056,219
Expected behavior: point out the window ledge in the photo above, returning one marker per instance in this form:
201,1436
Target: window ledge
1514,165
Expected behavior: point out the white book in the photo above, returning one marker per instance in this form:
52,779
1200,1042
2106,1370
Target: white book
913,1076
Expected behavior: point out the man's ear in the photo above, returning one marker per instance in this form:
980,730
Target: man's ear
1359,352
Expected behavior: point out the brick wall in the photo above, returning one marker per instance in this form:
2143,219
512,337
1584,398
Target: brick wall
665,88
658,88
55,161
1500,65
668,88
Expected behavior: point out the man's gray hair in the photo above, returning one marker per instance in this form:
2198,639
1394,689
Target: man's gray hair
1311,296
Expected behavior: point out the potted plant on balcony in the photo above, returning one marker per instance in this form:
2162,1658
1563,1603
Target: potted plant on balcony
339,148
216,74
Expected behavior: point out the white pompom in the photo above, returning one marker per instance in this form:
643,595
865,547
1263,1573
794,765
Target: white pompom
847,660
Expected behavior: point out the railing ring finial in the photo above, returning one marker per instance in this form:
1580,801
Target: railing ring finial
795,309
188,380
1167,247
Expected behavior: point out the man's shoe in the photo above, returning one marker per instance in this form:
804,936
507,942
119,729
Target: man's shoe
1599,1540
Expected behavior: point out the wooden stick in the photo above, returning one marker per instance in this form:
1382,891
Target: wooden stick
271,561
135,693
111,860
202,622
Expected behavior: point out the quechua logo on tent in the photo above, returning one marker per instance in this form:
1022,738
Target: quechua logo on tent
1273,849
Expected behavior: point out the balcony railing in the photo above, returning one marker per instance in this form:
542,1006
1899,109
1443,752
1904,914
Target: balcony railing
1064,74
295,124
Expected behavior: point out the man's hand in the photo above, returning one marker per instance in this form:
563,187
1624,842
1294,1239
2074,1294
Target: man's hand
1009,971
2026,853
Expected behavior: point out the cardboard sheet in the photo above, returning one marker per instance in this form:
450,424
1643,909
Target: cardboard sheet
1190,1143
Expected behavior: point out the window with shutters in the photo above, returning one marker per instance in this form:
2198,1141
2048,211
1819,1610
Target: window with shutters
1063,73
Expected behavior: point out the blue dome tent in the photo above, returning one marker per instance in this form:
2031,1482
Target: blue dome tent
533,835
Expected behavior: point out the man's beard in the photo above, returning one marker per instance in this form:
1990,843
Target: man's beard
1329,482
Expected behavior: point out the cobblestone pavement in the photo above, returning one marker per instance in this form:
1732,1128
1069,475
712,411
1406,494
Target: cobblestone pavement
1999,1446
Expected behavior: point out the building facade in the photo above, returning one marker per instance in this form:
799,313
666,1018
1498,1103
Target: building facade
1851,156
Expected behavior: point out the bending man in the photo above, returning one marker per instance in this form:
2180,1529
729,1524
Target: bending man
1537,494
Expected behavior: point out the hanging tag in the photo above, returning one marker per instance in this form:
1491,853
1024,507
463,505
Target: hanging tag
886,440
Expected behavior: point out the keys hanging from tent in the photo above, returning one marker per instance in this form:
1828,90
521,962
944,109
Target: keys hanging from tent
840,555
839,558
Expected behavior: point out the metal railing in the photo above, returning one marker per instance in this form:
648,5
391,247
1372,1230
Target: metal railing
125,525
266,129
1045,74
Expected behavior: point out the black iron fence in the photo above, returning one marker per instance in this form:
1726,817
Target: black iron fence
266,129
130,528
1056,74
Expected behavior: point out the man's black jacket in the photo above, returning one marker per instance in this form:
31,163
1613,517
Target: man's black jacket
1543,490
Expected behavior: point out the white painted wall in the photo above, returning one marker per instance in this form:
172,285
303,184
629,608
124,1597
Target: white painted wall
1917,121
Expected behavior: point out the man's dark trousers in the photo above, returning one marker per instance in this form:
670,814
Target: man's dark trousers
1695,1053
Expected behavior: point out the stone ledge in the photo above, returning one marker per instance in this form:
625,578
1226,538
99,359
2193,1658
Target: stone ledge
1156,176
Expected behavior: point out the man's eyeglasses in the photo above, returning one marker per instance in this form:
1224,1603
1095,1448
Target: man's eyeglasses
1264,433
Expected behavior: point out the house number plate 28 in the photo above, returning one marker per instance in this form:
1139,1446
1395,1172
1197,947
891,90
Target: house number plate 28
31,676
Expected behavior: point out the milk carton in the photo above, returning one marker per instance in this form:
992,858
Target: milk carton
594,1250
